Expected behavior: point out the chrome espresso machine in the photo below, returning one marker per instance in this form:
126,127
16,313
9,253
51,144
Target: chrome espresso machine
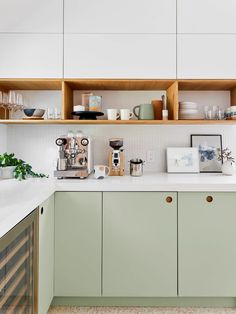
75,156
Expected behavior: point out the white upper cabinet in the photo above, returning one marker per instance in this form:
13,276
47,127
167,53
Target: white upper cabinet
120,56
31,16
206,56
120,16
31,56
206,16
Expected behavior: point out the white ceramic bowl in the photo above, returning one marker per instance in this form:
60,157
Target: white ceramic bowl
198,116
188,111
188,105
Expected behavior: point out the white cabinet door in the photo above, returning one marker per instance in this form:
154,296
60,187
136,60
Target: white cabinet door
112,16
31,56
206,56
206,16
31,16
120,56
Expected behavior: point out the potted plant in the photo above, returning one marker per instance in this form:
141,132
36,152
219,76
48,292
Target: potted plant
11,167
228,166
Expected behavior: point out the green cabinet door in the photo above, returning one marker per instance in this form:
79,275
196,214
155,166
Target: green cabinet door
46,255
78,243
139,244
207,244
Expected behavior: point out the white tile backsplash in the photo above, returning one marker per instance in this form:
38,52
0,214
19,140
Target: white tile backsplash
36,144
3,138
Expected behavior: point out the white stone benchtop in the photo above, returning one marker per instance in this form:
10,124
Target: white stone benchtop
20,198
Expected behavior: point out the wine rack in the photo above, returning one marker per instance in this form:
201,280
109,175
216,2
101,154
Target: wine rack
18,268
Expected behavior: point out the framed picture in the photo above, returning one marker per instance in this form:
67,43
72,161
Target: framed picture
182,160
209,148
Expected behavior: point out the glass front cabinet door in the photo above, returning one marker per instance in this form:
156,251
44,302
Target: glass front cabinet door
18,267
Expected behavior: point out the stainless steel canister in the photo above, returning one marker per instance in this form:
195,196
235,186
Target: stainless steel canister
136,167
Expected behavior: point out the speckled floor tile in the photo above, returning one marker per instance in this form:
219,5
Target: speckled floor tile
139,310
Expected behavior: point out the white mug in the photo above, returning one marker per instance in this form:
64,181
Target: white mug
101,171
125,114
112,114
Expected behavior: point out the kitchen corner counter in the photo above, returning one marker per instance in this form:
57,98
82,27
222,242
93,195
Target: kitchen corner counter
18,199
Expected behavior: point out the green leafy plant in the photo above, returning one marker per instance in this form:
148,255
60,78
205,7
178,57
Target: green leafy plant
22,169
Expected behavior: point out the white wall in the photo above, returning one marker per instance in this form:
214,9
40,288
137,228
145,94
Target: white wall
3,138
36,144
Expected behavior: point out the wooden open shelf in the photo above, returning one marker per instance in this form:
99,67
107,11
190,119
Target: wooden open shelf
30,84
67,86
122,122
118,84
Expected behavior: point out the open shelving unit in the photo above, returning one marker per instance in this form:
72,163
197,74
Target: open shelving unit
68,86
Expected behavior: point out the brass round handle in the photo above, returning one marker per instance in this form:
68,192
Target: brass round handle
169,199
209,199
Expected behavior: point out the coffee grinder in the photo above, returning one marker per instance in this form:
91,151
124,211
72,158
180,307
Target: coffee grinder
116,157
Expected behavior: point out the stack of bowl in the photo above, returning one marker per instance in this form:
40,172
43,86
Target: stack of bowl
189,110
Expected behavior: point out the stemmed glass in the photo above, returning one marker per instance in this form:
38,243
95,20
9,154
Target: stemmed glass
5,104
11,102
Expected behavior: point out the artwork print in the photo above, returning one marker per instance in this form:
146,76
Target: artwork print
182,160
209,149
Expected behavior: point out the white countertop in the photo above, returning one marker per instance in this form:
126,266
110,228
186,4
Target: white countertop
18,199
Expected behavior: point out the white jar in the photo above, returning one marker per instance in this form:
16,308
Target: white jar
7,172
233,112
228,168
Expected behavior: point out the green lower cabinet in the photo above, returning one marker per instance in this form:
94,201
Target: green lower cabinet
78,233
139,244
207,244
46,255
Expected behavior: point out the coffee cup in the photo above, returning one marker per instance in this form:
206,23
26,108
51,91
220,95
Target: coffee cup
101,171
125,114
145,112
112,114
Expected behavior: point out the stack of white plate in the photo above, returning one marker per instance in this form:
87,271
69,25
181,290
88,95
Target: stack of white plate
189,110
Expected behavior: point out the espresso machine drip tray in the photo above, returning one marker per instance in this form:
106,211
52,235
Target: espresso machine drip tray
70,174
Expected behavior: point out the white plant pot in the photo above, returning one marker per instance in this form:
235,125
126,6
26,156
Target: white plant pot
7,172
228,168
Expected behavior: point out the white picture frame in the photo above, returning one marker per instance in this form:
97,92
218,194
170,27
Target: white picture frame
182,160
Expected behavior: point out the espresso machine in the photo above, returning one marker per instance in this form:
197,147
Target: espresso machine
116,157
75,156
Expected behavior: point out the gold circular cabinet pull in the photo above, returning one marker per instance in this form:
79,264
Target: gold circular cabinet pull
169,199
209,199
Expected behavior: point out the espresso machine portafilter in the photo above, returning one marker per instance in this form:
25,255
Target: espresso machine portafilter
75,156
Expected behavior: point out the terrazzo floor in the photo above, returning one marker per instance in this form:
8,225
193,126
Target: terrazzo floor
139,310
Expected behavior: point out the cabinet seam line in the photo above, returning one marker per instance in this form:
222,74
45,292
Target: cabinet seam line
63,41
102,247
176,39
177,244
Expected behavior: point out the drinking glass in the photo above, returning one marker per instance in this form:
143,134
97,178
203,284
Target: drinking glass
50,113
210,112
220,114
57,113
